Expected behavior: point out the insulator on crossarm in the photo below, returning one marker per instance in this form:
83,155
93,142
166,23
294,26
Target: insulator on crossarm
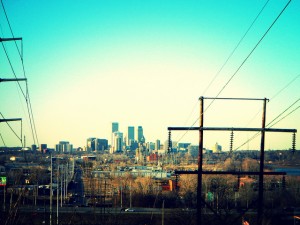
231,141
294,143
169,142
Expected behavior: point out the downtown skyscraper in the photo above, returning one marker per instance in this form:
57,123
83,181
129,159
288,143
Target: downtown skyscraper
130,135
114,127
140,133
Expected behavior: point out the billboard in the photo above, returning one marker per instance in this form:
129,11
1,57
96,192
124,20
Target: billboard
2,181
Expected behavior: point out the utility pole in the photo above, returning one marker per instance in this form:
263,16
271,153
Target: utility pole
261,167
61,184
51,190
200,162
4,196
200,171
57,192
121,196
163,213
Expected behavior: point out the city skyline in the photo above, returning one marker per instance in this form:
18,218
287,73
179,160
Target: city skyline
89,64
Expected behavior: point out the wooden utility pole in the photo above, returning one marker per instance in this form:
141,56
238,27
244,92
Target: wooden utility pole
200,163
200,171
261,167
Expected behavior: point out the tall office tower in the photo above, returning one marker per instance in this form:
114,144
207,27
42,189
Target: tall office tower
166,145
141,138
157,145
69,148
150,146
57,148
183,146
63,147
90,144
118,141
43,148
114,127
130,135
33,148
101,144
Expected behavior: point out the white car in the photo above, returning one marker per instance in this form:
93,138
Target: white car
129,210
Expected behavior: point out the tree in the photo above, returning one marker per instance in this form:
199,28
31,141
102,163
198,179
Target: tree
188,189
250,165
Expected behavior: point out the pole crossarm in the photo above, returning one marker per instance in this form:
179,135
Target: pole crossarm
12,79
247,99
9,120
234,129
228,172
10,39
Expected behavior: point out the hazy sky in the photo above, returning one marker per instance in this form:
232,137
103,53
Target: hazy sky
146,63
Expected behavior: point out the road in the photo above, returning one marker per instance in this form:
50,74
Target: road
77,189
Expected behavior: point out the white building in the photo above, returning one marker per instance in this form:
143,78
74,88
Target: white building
217,148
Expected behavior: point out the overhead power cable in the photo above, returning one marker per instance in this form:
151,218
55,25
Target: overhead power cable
235,48
20,138
32,121
2,140
243,62
27,97
269,125
275,95
228,58
248,56
286,86
286,116
11,31
12,68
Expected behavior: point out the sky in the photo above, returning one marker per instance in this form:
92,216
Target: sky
146,63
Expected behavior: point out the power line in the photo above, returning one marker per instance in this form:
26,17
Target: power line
248,56
32,121
11,31
269,125
27,97
227,60
286,86
2,140
243,62
286,116
12,68
233,51
275,95
13,129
